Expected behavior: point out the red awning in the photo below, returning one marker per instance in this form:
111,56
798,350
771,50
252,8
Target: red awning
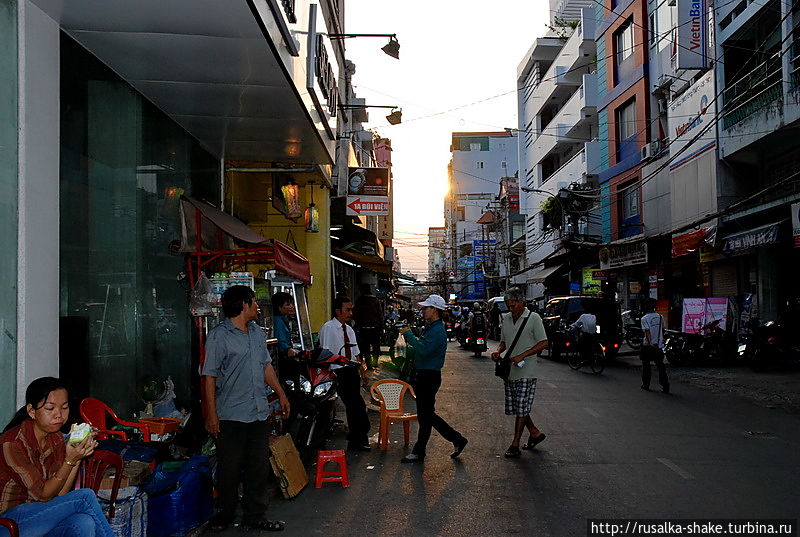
686,243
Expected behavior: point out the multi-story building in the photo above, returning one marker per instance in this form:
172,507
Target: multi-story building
437,246
557,100
479,160
108,115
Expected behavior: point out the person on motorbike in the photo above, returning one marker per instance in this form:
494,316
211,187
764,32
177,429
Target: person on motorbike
585,329
477,322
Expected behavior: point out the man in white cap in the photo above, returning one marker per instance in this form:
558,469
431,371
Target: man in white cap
429,352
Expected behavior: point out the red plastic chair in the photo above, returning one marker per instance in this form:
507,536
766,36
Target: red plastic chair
10,525
94,412
94,469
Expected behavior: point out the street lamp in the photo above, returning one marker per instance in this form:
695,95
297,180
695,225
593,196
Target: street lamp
392,48
394,118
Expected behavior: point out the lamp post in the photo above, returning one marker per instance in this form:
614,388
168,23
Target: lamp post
394,118
392,48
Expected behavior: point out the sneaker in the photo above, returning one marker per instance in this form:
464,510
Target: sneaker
412,458
458,447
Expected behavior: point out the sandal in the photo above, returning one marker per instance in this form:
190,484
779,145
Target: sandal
533,440
266,525
513,452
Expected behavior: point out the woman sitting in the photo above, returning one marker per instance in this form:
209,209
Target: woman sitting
38,471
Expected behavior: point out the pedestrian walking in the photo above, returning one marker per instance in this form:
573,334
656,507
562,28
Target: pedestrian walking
368,315
339,338
236,373
653,347
523,336
429,353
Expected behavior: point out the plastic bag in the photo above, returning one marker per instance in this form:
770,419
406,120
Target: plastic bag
202,297
400,347
180,497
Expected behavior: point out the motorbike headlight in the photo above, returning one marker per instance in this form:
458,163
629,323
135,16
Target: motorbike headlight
742,349
305,385
323,388
290,384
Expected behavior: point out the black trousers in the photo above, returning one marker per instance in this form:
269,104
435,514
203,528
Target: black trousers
243,452
350,392
369,343
656,355
426,386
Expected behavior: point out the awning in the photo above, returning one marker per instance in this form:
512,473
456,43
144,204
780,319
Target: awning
753,238
370,262
542,275
686,243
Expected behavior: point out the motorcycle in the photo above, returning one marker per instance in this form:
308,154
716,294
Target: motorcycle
767,346
632,329
710,343
448,326
312,390
477,340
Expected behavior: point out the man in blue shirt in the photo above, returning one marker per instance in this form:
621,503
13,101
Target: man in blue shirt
236,372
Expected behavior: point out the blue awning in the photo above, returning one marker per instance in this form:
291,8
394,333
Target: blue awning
753,238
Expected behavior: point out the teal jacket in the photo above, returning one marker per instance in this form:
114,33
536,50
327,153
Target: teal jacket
429,350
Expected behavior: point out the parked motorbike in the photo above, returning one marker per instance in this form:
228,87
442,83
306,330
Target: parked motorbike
710,343
632,329
311,390
767,346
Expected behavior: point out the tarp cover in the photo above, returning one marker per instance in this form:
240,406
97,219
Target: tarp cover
213,220
543,274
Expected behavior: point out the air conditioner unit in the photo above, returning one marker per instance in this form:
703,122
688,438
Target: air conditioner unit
647,152
662,106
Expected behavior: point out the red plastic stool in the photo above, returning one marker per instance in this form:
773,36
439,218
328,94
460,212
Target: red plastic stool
332,476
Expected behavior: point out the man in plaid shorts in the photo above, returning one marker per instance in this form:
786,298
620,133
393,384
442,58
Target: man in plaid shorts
521,383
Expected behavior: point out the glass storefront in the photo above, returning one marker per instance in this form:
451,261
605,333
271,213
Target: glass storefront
123,304
8,208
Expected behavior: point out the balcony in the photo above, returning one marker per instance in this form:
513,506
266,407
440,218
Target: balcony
580,168
757,89
572,123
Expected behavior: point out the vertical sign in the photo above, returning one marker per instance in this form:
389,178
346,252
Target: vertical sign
796,224
692,38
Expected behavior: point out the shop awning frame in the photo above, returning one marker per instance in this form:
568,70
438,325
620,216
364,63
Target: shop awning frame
542,275
369,262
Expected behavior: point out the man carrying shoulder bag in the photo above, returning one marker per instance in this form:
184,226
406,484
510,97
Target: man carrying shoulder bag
526,333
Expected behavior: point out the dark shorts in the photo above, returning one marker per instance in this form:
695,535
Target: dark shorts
519,396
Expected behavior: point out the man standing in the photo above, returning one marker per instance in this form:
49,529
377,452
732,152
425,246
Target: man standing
236,372
528,330
368,315
339,338
653,347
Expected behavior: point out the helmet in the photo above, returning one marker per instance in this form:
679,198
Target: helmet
476,306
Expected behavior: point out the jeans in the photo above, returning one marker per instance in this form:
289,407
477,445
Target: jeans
75,514
426,386
242,450
655,354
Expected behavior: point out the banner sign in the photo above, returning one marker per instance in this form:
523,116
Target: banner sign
472,278
368,181
689,114
692,37
760,236
367,206
590,285
600,275
687,243
796,224
698,312
322,72
616,256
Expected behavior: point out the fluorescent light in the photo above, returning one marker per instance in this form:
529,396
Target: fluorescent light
339,259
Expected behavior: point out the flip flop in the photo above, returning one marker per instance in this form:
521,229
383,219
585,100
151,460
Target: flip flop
512,452
533,440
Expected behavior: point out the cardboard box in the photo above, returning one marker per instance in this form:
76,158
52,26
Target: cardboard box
108,481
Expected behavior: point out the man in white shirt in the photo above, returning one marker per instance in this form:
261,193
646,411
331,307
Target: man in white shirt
653,347
586,329
339,337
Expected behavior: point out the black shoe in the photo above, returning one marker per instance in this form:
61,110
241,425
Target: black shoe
412,458
458,447
645,388
359,446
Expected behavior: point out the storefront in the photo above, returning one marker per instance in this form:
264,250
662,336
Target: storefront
8,206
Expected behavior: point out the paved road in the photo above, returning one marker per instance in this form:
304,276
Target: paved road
612,451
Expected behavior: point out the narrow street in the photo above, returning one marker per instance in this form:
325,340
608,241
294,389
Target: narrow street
612,451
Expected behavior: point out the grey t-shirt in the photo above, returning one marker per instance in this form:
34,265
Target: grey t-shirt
655,323
237,360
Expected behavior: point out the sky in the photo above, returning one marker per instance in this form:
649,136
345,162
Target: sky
457,72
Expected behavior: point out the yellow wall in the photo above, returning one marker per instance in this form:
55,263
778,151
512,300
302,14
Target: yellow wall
248,197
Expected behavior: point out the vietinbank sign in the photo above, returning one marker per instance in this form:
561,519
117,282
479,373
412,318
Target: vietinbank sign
692,41
688,117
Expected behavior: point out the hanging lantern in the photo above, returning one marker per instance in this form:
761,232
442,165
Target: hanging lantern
291,193
312,214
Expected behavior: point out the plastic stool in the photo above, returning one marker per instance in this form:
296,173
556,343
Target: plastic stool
332,476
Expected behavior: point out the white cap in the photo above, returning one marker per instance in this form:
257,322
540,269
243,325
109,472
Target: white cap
435,301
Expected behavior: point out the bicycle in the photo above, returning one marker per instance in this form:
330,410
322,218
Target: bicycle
596,361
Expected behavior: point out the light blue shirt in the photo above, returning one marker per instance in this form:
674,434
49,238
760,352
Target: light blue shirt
237,359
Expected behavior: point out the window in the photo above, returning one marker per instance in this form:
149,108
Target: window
630,200
479,165
653,28
504,165
474,147
626,121
461,215
624,42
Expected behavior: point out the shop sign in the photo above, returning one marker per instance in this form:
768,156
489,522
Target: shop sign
652,280
616,256
635,287
689,114
322,73
760,236
513,202
692,36
600,275
591,286
698,312
285,12
687,243
367,206
368,181
796,224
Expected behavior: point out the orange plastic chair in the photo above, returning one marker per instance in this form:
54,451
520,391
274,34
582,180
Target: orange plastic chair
94,470
10,525
94,412
390,394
